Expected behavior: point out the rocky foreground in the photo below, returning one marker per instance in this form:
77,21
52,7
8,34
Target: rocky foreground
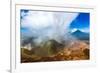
75,51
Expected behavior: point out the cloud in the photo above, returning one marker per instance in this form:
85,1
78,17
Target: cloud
51,25
73,30
85,30
37,20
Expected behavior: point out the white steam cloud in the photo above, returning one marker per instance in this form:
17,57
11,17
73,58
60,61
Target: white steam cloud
47,25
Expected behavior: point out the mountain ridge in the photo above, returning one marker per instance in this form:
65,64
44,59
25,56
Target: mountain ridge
80,35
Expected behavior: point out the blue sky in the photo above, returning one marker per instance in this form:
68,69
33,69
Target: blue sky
81,22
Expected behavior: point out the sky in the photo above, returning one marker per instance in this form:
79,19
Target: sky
81,22
47,24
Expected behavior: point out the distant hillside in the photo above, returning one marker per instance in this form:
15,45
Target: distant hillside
81,35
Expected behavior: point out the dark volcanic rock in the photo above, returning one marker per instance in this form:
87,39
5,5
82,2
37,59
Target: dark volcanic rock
48,48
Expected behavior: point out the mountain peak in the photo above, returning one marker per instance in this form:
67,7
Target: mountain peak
78,31
81,35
